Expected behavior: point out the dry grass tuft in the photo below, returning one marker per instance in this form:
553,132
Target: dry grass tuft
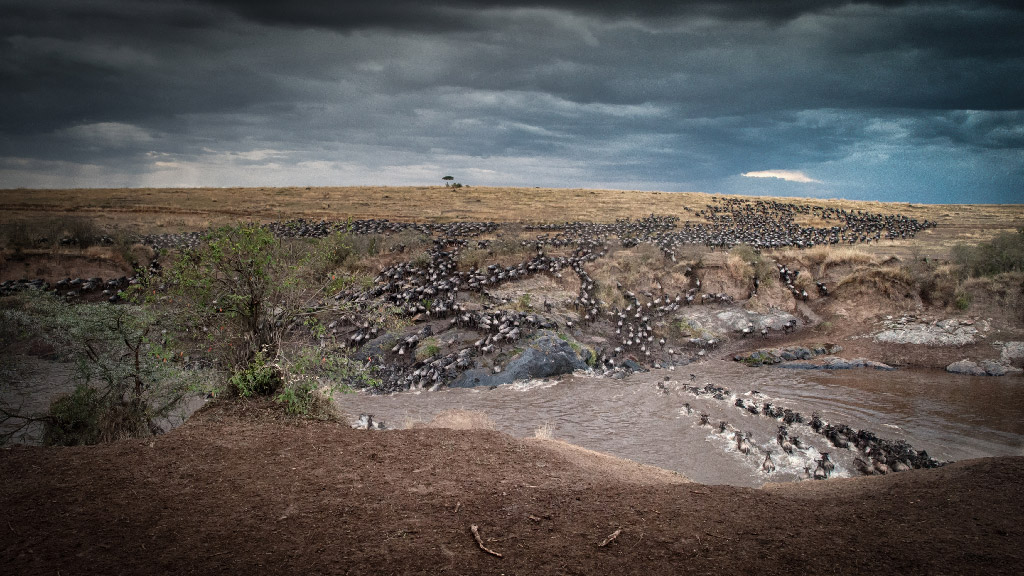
893,282
545,432
642,268
738,269
822,258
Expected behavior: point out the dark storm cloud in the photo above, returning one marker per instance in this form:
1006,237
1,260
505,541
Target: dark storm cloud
412,14
670,95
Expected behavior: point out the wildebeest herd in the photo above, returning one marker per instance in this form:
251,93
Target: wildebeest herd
428,289
875,456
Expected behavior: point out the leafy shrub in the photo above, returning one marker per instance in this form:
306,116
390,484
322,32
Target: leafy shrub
73,419
428,348
1005,253
761,268
125,375
242,289
259,378
306,399
407,241
963,299
323,368
523,303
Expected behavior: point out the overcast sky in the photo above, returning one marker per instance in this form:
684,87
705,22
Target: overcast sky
889,100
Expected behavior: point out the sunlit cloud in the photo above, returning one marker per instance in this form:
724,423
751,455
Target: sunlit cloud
108,134
789,175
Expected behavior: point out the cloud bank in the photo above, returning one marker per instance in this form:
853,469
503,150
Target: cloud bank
787,175
912,101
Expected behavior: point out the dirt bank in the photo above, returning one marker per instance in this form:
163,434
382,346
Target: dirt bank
239,489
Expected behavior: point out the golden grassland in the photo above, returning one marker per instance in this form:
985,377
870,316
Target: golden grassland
164,210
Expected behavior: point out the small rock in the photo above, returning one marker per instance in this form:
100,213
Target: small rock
1011,351
993,368
966,367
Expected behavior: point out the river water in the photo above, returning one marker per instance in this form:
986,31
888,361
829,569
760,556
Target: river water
654,417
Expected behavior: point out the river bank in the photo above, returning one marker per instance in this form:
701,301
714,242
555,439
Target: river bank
240,488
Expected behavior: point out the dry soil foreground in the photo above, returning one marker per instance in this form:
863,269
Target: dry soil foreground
240,490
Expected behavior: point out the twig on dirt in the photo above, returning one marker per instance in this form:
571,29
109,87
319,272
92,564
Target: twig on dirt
610,537
699,492
11,527
457,506
480,542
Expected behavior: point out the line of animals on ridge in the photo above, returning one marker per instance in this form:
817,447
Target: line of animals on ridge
877,455
73,288
758,223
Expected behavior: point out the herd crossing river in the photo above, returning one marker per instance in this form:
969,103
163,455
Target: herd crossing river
655,421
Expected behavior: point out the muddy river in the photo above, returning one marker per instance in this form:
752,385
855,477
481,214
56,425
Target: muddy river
654,417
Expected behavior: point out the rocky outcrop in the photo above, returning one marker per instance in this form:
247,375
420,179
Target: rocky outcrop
984,368
949,332
708,326
1011,353
835,363
377,348
768,356
546,355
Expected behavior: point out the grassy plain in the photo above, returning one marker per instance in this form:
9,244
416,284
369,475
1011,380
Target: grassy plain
165,210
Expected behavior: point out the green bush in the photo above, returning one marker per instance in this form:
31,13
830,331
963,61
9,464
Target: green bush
308,400
1005,253
323,368
258,378
523,303
242,289
428,348
762,269
125,374
963,299
73,419
298,400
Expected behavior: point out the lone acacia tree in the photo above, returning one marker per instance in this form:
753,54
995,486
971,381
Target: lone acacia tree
447,180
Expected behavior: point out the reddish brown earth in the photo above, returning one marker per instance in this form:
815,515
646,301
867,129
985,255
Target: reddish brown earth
241,489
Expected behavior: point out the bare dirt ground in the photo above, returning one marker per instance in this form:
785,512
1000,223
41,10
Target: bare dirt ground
241,489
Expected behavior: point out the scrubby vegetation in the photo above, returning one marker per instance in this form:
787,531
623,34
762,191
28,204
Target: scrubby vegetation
125,376
1005,253
243,304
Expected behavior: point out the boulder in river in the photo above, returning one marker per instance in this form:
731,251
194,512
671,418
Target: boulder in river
835,363
966,367
985,368
993,368
546,355
767,356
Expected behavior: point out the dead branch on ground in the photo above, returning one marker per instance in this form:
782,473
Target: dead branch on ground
480,542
